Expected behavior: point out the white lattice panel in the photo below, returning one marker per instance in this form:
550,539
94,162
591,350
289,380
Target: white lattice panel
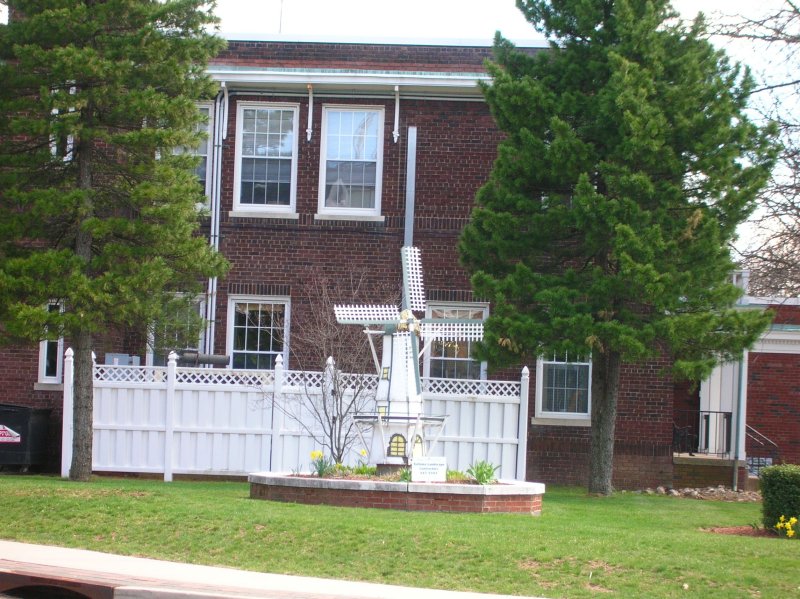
413,287
468,387
304,380
366,314
209,376
129,374
452,331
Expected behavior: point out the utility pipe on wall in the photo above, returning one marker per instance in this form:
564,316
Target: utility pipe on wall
411,175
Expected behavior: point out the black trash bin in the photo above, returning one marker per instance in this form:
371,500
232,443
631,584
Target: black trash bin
23,436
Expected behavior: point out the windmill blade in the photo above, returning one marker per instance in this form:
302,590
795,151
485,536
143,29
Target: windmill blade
413,289
451,330
367,314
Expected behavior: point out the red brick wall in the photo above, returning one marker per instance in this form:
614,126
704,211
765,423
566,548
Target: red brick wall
786,314
705,473
355,56
773,403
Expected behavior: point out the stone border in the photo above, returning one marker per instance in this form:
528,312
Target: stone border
506,496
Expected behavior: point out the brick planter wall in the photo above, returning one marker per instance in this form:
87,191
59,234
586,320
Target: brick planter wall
512,497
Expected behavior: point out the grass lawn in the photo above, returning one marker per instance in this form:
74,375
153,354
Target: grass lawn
630,545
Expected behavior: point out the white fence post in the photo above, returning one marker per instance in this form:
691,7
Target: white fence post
66,421
169,415
276,438
522,441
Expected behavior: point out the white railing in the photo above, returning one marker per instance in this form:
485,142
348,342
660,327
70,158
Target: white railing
175,420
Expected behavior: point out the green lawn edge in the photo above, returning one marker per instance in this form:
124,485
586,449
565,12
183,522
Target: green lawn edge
631,545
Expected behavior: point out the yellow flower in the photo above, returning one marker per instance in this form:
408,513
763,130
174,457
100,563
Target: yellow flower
779,525
364,453
790,533
316,454
782,519
792,521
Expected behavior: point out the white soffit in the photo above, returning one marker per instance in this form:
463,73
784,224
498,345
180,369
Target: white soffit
339,80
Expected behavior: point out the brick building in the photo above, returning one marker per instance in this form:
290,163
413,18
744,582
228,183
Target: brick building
329,157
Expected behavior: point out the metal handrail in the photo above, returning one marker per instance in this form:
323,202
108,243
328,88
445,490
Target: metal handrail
755,463
759,437
702,432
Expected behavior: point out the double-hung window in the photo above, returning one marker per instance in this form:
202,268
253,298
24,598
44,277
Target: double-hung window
453,359
265,177
352,161
258,331
564,389
205,126
177,333
51,353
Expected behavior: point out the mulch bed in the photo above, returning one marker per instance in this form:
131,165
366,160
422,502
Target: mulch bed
743,531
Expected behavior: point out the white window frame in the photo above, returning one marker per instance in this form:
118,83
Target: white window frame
69,142
348,212
209,128
200,301
262,210
560,418
258,299
43,345
426,368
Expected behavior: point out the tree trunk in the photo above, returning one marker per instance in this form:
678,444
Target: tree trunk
83,397
81,467
605,389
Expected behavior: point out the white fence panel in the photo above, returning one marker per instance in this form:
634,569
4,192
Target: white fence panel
129,432
224,422
479,428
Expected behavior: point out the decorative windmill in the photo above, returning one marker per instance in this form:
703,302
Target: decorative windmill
399,422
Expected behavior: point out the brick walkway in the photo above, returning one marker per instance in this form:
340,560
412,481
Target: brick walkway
105,576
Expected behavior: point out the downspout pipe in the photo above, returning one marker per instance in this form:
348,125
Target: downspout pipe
739,422
218,136
411,177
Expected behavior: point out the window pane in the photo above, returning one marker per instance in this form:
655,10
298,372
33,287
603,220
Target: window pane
267,155
351,151
259,340
565,388
51,359
453,358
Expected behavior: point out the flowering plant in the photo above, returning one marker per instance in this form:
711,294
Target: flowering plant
786,525
321,465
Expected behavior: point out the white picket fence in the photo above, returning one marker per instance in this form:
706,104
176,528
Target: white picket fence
202,421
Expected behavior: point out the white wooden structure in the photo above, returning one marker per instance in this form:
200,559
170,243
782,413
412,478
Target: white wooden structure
400,426
200,421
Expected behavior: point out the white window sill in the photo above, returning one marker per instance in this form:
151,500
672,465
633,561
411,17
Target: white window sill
263,214
548,421
357,217
48,387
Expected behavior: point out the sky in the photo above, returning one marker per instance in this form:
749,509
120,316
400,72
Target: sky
421,19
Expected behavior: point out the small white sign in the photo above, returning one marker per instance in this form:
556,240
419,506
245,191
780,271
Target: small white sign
8,436
429,470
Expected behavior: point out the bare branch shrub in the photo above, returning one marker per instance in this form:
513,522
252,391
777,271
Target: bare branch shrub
348,382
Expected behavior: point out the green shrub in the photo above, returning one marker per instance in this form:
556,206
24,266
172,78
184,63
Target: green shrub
780,488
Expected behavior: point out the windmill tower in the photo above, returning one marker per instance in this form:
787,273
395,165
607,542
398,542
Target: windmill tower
400,427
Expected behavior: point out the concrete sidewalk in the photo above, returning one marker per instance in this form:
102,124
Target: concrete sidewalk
103,575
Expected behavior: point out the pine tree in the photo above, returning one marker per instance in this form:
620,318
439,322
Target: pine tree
97,211
603,229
